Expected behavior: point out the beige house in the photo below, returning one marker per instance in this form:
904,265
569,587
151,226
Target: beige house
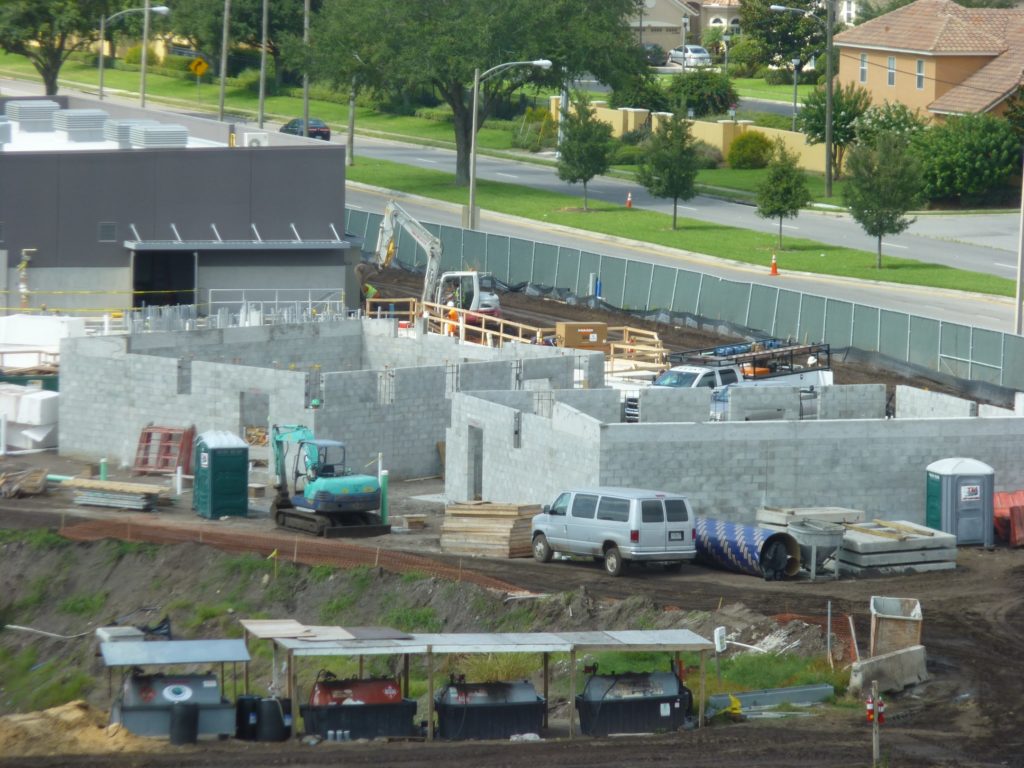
669,23
937,57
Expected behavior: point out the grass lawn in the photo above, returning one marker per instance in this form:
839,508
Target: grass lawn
715,240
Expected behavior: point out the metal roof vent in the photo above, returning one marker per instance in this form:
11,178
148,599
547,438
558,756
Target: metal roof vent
81,124
32,115
5,131
120,131
160,136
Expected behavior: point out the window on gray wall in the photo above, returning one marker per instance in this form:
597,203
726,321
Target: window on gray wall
106,232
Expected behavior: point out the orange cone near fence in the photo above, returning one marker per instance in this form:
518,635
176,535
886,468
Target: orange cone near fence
775,267
629,199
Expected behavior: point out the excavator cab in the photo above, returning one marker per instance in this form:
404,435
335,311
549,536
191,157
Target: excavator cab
322,458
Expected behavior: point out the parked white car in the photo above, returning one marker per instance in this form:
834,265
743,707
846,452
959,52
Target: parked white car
689,56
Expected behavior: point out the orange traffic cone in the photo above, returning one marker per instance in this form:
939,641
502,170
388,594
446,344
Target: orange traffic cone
775,267
629,199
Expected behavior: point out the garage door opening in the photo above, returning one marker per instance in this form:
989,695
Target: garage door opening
163,277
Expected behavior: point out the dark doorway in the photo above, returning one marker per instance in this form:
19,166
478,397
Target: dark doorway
164,277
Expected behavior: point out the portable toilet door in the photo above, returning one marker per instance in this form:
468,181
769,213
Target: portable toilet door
959,496
221,467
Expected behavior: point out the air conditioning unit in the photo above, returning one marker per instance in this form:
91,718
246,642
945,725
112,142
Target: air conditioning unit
255,140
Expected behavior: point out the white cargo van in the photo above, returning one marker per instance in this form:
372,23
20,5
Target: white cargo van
618,525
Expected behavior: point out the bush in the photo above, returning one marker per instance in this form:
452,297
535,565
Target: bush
441,114
134,55
639,136
628,154
642,93
751,149
703,90
774,76
745,56
708,156
249,80
177,63
535,130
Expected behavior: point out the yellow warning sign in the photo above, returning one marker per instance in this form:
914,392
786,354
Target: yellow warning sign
198,67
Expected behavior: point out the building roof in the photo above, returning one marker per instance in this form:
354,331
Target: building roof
936,27
943,28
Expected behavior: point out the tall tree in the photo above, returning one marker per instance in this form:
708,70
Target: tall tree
848,104
585,149
669,166
46,32
883,183
439,44
784,190
783,36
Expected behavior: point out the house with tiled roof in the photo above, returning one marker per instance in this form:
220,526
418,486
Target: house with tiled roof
936,56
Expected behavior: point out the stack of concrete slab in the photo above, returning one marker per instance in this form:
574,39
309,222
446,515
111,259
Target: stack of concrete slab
120,131
896,546
779,518
30,416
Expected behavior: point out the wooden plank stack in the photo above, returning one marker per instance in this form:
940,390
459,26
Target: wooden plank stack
111,493
489,530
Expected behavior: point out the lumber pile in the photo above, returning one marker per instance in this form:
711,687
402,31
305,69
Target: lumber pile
779,518
110,493
488,530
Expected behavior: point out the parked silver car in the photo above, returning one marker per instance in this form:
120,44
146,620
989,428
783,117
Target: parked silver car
689,56
617,525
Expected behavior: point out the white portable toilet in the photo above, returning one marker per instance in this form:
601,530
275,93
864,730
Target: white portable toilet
958,499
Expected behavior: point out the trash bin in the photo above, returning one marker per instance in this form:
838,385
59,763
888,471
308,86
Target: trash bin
184,723
221,466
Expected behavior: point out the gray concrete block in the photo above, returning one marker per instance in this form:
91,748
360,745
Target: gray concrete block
893,671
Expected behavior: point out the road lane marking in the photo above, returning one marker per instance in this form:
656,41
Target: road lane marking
507,175
427,160
894,245
1004,266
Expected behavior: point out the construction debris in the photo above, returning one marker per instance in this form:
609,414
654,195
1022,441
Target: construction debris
778,518
488,530
108,493
28,482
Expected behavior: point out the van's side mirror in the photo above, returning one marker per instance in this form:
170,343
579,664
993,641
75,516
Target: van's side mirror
546,509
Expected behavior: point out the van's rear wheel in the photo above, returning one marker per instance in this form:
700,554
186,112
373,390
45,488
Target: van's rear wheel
613,563
541,549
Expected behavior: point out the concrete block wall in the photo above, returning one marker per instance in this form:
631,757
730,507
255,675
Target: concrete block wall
914,403
763,403
852,401
730,469
674,405
986,411
401,413
108,396
604,405
513,471
486,376
548,372
333,346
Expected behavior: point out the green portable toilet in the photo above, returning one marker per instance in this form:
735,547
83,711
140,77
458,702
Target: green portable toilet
959,496
221,466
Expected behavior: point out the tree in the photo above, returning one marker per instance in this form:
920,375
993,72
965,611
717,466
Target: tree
893,117
969,157
439,44
784,190
783,36
848,104
884,182
1014,113
47,32
585,149
669,167
703,90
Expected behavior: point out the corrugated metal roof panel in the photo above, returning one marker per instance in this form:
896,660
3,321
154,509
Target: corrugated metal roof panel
140,654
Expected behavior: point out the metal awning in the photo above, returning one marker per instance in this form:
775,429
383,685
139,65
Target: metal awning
143,653
144,246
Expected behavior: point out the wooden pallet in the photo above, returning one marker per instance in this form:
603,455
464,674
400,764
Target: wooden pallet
488,530
161,450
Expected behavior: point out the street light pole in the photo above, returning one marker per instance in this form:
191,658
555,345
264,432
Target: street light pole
142,62
263,62
305,69
477,79
224,39
829,24
161,10
796,63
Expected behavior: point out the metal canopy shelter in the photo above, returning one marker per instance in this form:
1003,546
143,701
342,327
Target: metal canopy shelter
297,640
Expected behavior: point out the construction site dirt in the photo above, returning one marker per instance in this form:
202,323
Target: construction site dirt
969,713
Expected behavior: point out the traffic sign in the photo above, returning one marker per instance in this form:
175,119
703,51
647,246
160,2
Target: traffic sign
198,67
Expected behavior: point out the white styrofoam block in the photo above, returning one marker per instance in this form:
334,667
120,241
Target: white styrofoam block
37,408
10,396
39,331
31,437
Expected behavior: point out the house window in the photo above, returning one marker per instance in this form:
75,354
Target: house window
891,75
920,74
848,11
863,67
734,26
717,23
107,232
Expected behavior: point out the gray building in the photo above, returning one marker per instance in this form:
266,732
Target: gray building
115,228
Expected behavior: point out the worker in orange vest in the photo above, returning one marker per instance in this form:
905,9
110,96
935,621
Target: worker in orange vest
453,318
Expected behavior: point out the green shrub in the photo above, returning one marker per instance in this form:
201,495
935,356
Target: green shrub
177,63
638,136
628,154
535,130
134,55
703,90
778,76
83,605
441,114
708,155
641,92
750,150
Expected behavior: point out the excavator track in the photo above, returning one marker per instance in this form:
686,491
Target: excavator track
330,526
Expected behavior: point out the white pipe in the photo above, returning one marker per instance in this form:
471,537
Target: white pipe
3,435
177,480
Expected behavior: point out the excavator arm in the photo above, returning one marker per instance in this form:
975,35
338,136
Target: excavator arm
396,217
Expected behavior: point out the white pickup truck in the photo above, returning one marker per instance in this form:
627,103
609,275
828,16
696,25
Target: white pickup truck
769,362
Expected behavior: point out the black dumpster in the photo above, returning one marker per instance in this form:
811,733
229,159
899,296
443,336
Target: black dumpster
361,709
274,719
633,702
488,710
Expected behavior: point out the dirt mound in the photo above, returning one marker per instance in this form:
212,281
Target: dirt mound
74,728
